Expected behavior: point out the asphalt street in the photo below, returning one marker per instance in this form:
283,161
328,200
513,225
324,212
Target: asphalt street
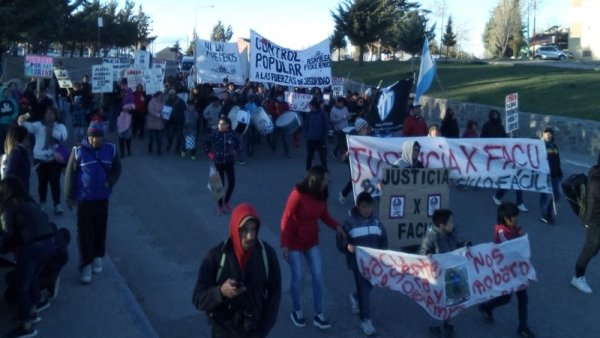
163,221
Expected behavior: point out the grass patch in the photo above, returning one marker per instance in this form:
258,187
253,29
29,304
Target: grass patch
545,90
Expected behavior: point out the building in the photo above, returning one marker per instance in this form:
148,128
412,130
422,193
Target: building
585,29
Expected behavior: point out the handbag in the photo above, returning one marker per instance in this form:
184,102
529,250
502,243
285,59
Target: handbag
61,153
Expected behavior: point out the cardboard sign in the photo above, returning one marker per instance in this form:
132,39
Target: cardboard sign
102,79
142,59
62,76
512,112
134,77
408,199
153,79
38,66
119,65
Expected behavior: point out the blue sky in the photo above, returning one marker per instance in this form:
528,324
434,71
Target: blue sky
302,23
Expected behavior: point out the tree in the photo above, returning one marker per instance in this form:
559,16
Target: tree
219,33
337,41
504,28
412,29
364,21
176,48
191,50
449,37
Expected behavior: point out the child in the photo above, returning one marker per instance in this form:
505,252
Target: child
363,229
189,131
441,238
471,131
547,200
507,229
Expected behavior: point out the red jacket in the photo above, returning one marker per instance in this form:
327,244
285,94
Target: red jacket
504,233
299,222
140,102
414,126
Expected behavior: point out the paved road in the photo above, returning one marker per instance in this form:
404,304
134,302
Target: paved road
163,221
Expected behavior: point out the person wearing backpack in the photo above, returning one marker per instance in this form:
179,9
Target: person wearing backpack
592,234
556,174
239,281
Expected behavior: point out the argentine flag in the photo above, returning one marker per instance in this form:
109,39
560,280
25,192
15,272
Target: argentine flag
426,72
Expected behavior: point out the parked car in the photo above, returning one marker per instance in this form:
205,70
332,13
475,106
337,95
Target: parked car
550,53
186,64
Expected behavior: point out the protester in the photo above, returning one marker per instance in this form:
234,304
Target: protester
211,113
410,156
222,147
471,130
155,123
449,127
434,131
141,109
493,128
190,124
339,116
93,169
363,229
306,204
361,128
592,232
124,121
442,237
316,129
239,281
175,121
414,123
547,201
26,231
49,133
508,228
277,106
16,162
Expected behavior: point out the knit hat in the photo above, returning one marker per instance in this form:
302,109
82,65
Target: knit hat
360,123
95,129
548,130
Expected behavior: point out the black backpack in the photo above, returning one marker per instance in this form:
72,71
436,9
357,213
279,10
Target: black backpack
575,189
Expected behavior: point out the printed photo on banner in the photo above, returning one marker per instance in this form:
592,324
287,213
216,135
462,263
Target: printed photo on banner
447,284
298,101
507,163
217,60
272,63
39,66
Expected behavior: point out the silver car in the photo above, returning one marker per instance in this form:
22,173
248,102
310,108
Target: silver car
550,53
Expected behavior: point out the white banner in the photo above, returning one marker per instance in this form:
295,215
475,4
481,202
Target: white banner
62,77
287,67
217,60
142,59
134,77
446,284
507,163
298,101
153,80
512,112
102,79
119,65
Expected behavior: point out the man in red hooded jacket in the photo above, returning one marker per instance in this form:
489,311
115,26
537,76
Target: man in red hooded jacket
239,282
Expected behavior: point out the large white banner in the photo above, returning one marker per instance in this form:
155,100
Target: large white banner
217,60
446,284
287,67
507,163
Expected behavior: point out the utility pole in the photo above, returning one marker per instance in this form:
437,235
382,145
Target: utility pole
534,12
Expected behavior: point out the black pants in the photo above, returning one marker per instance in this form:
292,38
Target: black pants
49,174
318,146
363,294
522,300
589,250
226,169
175,131
91,230
279,133
139,119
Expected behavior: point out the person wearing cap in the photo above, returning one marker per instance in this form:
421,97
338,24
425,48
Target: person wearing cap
414,123
49,133
361,128
547,200
591,245
239,280
92,171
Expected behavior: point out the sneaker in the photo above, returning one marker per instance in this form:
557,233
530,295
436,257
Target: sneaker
341,199
496,201
525,333
486,314
86,274
354,304
544,219
97,265
21,332
227,207
220,211
58,210
367,327
35,319
321,322
581,284
42,305
522,207
298,318
183,154
193,158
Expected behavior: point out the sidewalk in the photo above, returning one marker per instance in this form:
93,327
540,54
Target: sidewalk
104,308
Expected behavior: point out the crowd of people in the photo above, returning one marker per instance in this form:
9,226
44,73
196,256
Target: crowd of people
239,282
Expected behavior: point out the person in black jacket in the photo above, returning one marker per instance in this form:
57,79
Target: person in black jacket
449,127
556,174
239,282
316,129
26,230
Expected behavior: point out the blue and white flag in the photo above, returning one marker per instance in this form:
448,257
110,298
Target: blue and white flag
426,72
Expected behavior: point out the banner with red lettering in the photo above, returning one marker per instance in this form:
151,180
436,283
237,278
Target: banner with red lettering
446,284
507,163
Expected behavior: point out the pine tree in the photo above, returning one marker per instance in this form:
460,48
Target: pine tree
449,37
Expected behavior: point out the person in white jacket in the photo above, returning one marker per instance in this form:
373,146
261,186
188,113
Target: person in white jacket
49,133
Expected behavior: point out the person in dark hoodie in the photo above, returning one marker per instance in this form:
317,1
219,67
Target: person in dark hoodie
493,128
410,156
449,127
363,229
17,161
546,200
239,281
316,129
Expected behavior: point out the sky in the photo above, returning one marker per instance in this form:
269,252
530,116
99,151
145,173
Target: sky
299,24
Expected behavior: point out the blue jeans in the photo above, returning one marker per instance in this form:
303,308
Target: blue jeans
546,199
313,259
